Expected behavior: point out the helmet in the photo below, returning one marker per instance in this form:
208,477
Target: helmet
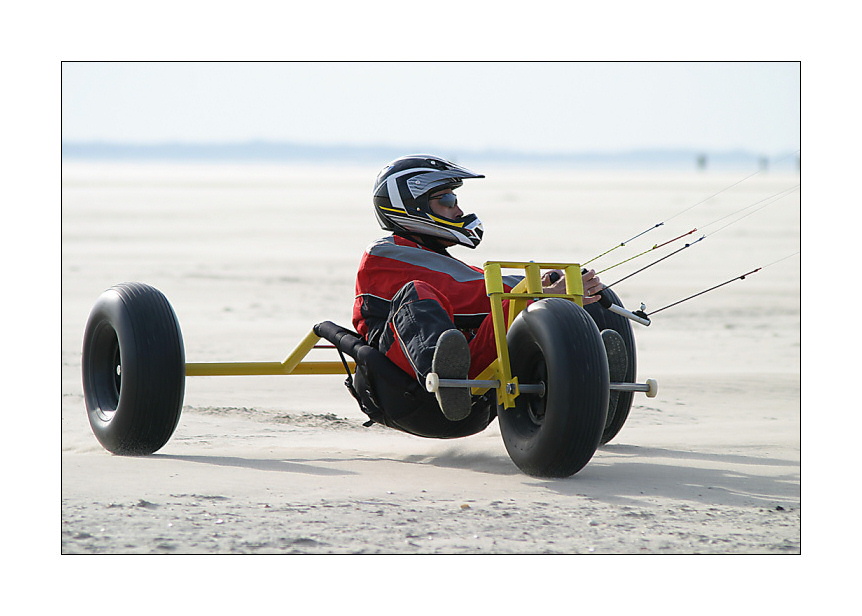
401,193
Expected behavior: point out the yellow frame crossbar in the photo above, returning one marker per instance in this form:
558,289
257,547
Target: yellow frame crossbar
530,288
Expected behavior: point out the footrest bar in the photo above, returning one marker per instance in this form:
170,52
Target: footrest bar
650,387
433,383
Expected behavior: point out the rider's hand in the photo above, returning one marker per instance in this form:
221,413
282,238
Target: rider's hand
555,282
592,285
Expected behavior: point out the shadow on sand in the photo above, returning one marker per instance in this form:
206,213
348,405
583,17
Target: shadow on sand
628,476
282,466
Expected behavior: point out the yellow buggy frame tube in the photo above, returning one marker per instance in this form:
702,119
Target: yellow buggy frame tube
530,288
292,365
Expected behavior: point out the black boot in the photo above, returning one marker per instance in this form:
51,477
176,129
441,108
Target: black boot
452,361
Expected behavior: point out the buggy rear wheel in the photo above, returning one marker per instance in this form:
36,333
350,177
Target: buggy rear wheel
133,368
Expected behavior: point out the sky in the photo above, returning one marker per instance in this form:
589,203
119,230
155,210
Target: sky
543,107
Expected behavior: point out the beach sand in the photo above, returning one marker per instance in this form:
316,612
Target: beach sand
251,256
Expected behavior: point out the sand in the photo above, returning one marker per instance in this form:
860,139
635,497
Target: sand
251,256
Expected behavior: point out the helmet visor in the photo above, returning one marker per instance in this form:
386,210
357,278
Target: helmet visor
425,182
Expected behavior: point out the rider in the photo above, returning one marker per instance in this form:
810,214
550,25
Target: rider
424,309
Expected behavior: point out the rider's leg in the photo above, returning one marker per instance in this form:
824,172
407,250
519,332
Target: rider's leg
418,318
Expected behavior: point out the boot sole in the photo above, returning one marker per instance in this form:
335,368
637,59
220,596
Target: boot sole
452,361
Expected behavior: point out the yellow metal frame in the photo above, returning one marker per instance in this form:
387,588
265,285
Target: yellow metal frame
292,365
530,288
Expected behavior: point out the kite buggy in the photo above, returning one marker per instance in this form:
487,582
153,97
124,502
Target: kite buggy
561,383
551,386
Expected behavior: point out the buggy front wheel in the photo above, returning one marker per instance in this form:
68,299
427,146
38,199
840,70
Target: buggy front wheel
555,342
618,412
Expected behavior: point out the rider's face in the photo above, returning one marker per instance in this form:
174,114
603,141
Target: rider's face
441,210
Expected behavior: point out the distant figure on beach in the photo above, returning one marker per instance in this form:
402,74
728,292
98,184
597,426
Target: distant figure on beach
424,309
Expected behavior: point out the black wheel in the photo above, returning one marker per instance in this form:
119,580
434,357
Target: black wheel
605,319
555,342
133,367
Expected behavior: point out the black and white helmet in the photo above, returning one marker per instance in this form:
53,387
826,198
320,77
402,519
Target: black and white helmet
401,193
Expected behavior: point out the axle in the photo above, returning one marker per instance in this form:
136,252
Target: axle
434,382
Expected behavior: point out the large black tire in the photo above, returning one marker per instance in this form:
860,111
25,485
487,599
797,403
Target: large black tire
133,368
555,341
605,319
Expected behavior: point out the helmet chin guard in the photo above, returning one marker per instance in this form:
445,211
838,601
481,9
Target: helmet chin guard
401,202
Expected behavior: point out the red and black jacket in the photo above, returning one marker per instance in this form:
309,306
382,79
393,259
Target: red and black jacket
391,262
